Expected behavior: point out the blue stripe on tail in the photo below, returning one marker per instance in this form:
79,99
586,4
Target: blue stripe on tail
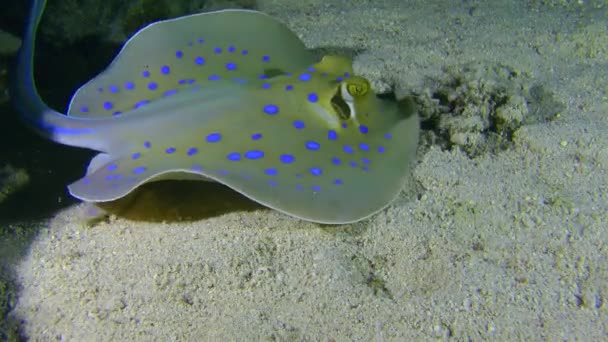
46,121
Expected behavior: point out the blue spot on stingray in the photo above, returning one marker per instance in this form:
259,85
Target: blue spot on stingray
271,109
287,158
231,48
200,40
113,89
135,155
152,85
266,58
179,54
312,97
170,150
381,149
239,80
170,92
315,188
339,79
139,169
312,145
244,52
315,171
223,172
214,78
112,167
365,160
234,156
299,124
271,171
192,151
145,73
116,113
332,135
363,129
344,125
129,85
196,168
141,103
165,69
311,69
336,161
364,147
288,87
108,105
112,177
353,163
305,77
147,144
365,168
199,60
254,154
217,50
266,85
346,74
230,66
256,136
348,149
299,187
273,182
214,137
84,109
338,182
388,136
262,76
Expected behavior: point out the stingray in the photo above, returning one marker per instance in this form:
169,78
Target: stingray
234,97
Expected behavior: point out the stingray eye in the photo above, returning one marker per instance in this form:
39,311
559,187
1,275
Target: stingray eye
343,101
340,106
357,86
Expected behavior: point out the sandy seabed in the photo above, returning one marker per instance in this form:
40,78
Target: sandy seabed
506,245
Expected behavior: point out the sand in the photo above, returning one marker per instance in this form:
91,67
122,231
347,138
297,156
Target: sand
502,243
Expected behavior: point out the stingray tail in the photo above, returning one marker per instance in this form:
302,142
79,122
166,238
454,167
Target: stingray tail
37,114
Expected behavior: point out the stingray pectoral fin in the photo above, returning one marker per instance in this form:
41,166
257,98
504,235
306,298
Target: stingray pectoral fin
109,178
334,194
168,56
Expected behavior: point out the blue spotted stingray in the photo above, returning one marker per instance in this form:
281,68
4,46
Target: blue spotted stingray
234,97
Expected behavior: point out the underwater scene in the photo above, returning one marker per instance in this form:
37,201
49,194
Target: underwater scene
306,171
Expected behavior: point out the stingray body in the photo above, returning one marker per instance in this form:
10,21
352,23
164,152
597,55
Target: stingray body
234,97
